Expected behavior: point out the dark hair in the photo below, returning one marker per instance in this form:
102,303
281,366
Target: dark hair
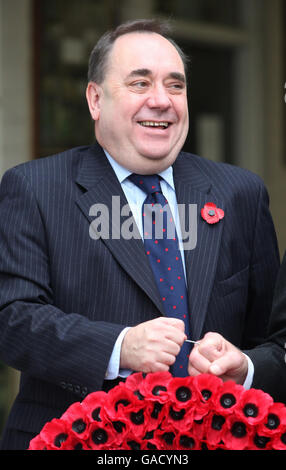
99,55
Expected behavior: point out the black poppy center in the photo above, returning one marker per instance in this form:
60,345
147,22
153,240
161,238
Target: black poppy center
250,410
168,437
78,426
183,394
138,395
134,445
151,446
137,418
60,438
261,441
177,415
283,438
121,402
156,410
99,436
187,442
206,394
78,446
227,400
238,430
118,426
159,388
95,414
272,421
217,422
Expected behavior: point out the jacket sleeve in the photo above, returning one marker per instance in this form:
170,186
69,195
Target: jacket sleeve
36,337
264,267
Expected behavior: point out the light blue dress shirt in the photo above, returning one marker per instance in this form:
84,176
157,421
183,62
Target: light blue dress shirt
135,198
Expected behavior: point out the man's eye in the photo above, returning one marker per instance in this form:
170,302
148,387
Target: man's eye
140,84
177,86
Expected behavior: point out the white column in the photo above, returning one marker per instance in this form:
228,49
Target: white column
274,136
15,82
249,104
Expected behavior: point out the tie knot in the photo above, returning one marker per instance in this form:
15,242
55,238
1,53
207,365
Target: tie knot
148,183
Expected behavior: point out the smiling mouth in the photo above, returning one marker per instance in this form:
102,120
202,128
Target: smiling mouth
155,124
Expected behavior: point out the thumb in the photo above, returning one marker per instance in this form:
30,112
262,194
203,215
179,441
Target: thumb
225,363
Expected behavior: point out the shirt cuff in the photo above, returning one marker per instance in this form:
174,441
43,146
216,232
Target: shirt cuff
113,369
249,378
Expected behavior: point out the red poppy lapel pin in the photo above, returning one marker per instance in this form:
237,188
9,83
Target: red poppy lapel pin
211,213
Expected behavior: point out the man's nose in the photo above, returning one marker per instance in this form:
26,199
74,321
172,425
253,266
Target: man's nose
159,98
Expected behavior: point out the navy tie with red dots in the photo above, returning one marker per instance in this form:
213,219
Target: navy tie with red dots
162,249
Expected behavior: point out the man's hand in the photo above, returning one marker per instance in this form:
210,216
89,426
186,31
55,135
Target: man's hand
215,355
152,346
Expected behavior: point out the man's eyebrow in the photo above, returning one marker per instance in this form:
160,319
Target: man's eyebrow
139,73
146,72
178,76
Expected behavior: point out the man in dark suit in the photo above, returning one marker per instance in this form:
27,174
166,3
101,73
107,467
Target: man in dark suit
79,304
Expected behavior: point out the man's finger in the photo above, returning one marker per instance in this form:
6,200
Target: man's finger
198,362
226,364
212,346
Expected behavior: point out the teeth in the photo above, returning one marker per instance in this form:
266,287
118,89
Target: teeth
154,124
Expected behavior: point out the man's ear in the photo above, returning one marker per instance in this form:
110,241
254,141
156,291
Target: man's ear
92,95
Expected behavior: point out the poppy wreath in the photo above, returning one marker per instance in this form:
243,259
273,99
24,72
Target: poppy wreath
159,412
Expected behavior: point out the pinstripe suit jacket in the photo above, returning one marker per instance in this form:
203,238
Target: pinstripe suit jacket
65,297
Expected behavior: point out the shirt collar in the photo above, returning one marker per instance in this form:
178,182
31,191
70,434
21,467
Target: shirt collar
122,173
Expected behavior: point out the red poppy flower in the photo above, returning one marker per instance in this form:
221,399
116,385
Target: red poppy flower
279,441
215,427
182,392
138,418
156,414
254,406
181,419
37,443
123,405
207,387
186,441
102,437
117,400
165,438
228,397
56,435
260,442
237,434
133,383
211,213
200,428
132,443
94,406
155,386
274,422
77,420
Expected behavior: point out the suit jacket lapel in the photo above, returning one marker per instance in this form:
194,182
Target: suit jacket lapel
194,187
101,186
100,183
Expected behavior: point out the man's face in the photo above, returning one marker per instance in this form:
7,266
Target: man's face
140,109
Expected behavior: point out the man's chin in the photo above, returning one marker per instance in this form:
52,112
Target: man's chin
154,162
